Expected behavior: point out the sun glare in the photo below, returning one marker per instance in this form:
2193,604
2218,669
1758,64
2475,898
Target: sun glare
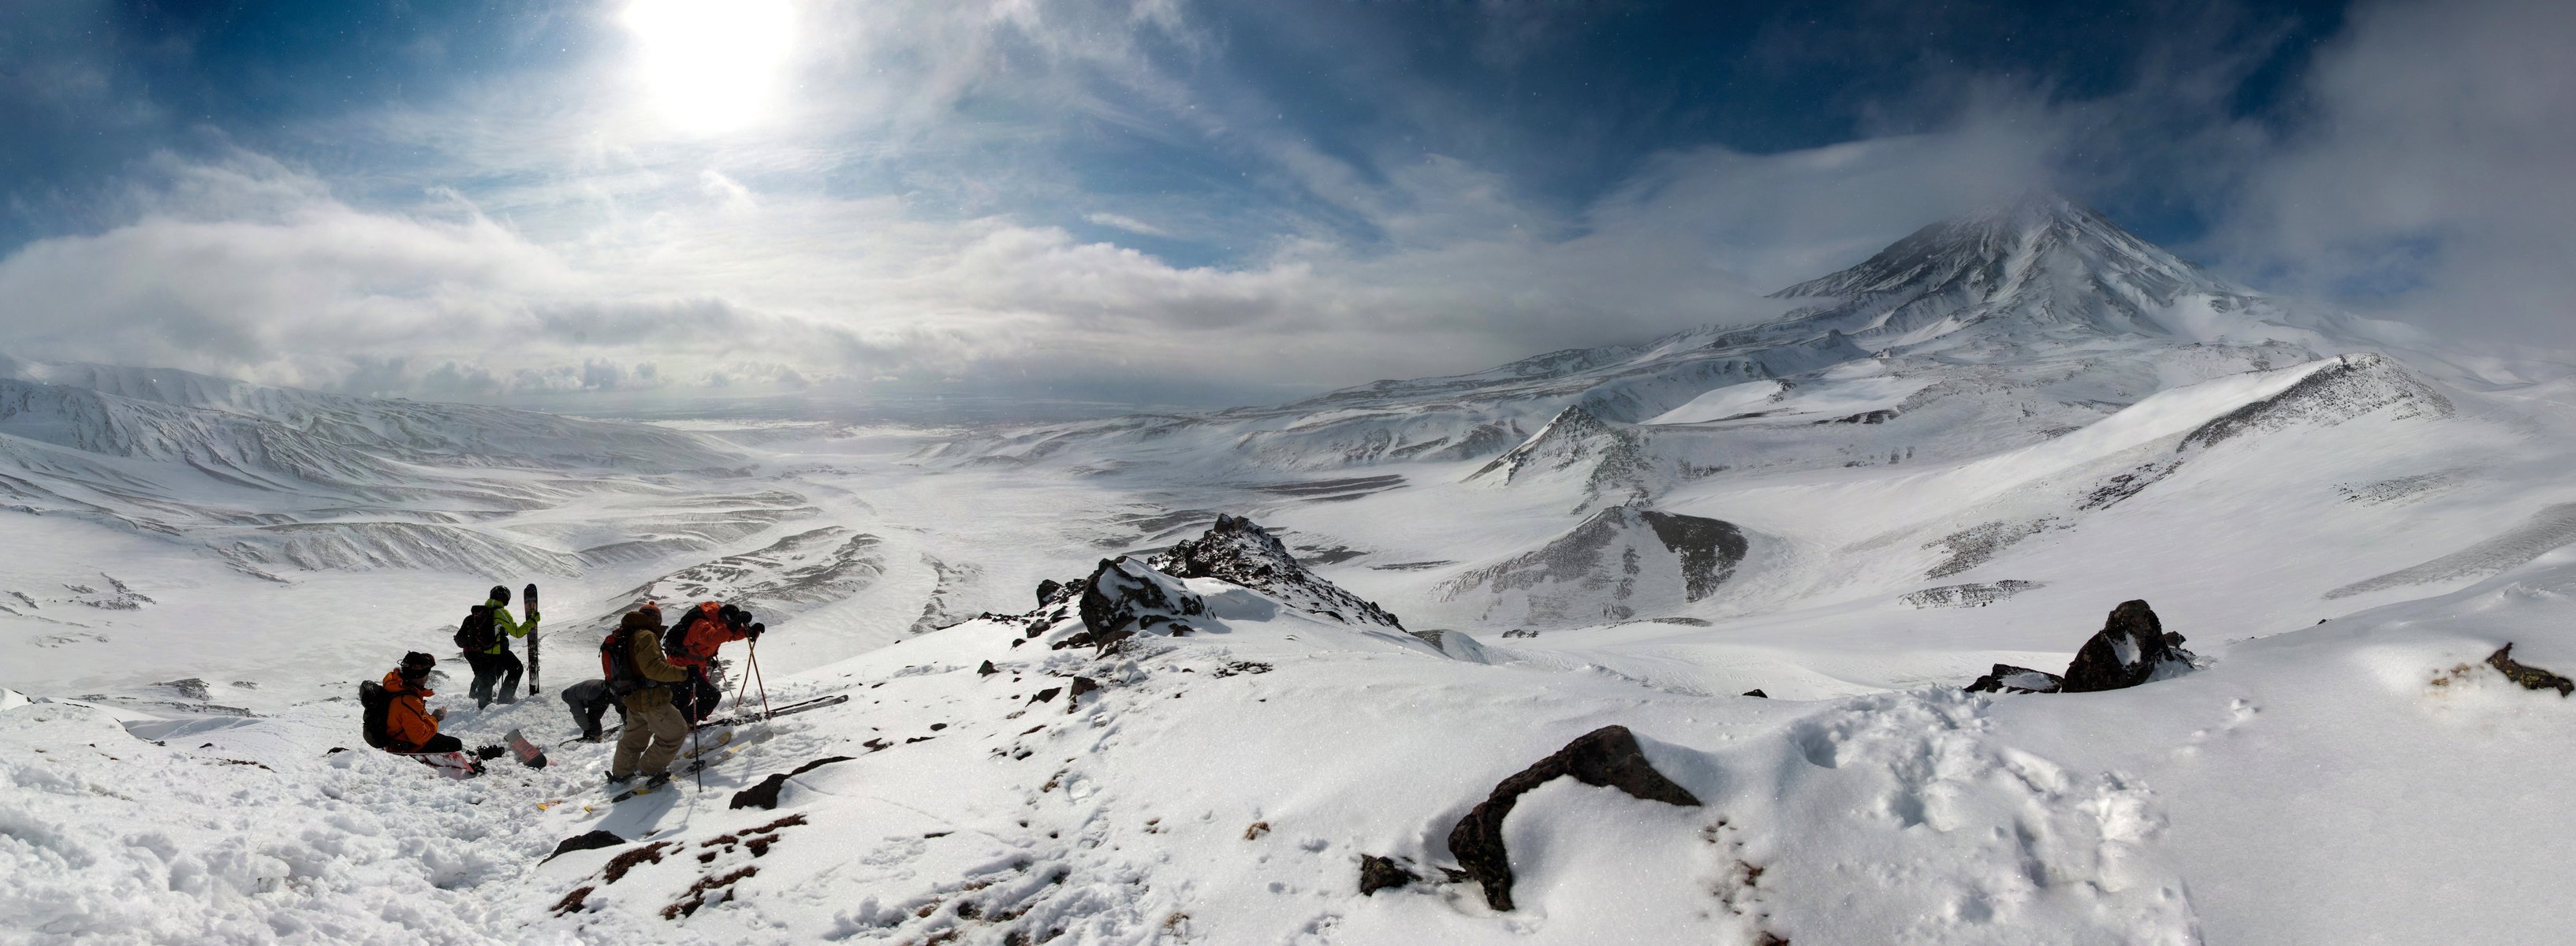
712,66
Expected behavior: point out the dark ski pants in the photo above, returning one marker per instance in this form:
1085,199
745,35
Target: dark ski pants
437,744
590,700
697,695
490,669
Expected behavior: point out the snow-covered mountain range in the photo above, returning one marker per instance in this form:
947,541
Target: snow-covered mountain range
1452,659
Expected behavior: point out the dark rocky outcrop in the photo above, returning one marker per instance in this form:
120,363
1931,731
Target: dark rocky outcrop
2007,678
2131,647
587,842
1607,757
1379,873
1125,596
987,669
2531,678
1240,551
764,796
1757,692
1047,590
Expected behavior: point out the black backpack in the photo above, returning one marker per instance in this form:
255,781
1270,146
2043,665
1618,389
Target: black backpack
478,632
373,698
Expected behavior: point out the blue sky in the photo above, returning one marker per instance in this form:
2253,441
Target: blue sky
1177,200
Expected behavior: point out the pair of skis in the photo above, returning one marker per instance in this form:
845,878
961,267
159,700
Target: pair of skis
787,710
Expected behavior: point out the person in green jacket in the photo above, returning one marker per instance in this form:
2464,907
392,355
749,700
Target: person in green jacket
496,664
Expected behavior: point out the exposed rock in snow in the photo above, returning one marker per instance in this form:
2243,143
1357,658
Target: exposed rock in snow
1380,873
2006,678
2353,385
1125,596
1607,757
1974,595
2529,677
592,841
1618,564
1237,550
2132,648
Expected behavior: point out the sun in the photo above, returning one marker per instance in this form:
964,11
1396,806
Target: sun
712,66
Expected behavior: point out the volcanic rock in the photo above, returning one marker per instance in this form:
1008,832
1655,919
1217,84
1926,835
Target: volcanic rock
1608,757
2007,678
2531,678
2129,650
1378,873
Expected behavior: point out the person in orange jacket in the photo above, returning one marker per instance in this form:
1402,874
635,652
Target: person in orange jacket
411,728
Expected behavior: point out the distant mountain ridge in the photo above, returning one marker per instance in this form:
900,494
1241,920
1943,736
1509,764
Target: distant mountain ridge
2035,289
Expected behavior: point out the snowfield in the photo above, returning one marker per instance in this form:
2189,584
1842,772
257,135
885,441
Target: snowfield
1342,717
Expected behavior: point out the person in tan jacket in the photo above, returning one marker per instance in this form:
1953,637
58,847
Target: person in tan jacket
654,727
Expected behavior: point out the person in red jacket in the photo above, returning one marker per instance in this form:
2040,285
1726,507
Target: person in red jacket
411,728
691,645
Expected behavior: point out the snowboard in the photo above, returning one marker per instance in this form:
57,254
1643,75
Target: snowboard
530,595
528,753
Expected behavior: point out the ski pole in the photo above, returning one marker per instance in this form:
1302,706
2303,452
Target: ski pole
755,674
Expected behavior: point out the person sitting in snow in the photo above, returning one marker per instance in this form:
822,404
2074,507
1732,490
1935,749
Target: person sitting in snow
590,700
411,727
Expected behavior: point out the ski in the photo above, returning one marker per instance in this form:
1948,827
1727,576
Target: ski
528,753
644,789
702,758
705,746
531,595
791,708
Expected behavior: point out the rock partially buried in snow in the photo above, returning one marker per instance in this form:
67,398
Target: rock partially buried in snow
1125,596
587,842
2132,648
1379,873
1607,757
2007,678
2531,678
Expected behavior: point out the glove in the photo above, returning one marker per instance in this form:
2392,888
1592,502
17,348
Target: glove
489,752
756,629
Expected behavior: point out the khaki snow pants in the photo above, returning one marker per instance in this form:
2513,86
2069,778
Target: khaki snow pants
663,727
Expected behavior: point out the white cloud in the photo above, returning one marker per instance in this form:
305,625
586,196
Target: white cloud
2434,175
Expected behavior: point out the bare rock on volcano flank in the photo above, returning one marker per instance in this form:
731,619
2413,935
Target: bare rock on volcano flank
1608,757
2129,650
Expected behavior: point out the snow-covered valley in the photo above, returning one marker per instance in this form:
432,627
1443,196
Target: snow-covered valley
1962,453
